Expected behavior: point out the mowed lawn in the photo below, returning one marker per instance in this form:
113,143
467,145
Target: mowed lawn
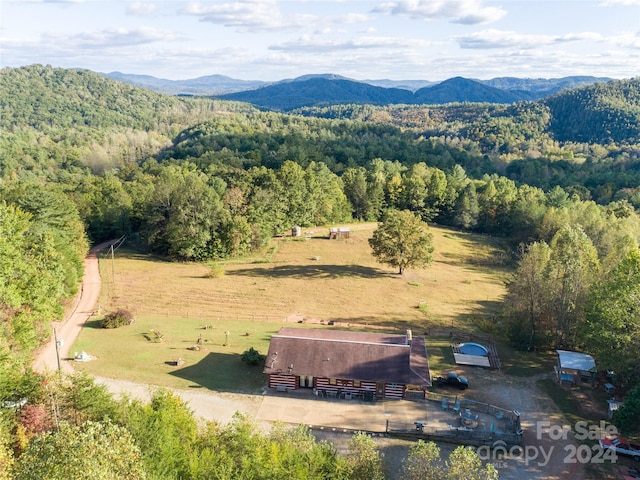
310,280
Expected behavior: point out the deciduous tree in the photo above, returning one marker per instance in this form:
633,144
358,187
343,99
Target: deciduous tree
402,240
423,462
465,464
364,459
93,451
611,330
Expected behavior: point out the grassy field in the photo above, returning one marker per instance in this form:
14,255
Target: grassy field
311,280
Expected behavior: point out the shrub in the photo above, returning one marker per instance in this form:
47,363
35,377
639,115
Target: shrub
252,357
216,271
117,319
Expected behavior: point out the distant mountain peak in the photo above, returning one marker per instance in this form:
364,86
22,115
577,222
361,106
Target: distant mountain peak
324,76
331,89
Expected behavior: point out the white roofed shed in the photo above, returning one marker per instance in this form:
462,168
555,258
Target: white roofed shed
580,365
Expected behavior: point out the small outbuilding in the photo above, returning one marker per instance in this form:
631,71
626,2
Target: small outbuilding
339,232
337,363
574,367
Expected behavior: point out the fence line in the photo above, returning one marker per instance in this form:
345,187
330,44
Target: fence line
453,435
457,334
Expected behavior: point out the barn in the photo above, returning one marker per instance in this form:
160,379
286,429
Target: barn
337,363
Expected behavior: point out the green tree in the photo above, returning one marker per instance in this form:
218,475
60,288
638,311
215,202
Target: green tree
423,462
252,357
574,266
528,300
81,399
402,240
184,215
265,210
466,208
92,451
356,190
6,455
612,326
627,417
165,430
363,459
465,464
32,281
329,201
299,206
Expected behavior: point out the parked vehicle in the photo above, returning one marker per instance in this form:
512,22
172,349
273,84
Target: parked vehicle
622,446
453,380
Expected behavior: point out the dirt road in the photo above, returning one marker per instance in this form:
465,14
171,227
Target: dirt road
68,330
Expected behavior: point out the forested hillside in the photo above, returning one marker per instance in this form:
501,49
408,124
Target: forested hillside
58,118
601,113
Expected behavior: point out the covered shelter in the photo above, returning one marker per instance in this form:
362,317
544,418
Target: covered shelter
339,232
574,367
338,363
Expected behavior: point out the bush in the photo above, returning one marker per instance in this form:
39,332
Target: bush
117,319
216,271
253,357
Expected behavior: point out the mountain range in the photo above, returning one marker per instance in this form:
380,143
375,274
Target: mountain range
331,89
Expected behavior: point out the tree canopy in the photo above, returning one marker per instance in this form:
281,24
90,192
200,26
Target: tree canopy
402,240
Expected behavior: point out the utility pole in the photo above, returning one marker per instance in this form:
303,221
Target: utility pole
113,268
58,343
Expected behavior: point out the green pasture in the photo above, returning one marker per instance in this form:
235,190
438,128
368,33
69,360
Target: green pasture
134,353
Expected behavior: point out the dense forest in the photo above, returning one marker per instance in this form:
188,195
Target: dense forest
84,158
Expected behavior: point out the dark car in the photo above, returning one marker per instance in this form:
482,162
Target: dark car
453,380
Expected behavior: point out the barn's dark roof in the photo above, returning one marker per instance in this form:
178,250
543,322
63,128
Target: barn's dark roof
347,355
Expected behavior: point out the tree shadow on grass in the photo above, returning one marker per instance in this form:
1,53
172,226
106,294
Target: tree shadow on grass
95,323
314,271
222,371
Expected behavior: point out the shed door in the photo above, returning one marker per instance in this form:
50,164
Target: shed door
306,381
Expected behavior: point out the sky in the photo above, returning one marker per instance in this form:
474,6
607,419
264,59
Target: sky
272,40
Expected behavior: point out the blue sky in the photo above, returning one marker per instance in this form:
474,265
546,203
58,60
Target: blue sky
361,39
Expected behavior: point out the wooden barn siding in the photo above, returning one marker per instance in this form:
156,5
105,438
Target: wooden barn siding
291,382
287,381
343,385
393,390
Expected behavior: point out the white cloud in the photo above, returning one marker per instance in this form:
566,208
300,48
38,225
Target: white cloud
351,18
320,44
247,15
107,39
624,3
488,39
466,12
628,40
141,8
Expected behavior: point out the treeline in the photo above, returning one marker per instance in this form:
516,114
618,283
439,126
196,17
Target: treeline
584,140
73,429
42,249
